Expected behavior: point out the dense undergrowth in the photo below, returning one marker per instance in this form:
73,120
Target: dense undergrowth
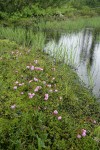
17,10
43,103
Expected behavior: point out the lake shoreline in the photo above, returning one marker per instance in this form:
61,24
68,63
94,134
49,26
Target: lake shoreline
43,98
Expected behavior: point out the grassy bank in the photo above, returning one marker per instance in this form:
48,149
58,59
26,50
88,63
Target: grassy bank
45,24
72,25
43,104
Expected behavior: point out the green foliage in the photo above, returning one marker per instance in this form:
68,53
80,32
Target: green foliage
28,8
3,15
8,44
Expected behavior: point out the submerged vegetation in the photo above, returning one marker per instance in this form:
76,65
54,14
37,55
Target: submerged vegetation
43,103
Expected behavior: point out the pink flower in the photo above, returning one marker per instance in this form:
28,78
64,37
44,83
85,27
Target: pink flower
22,93
84,134
46,97
59,118
83,130
35,79
31,95
78,136
13,106
53,78
30,81
15,87
16,82
55,112
55,90
20,84
49,85
12,52
37,88
27,67
38,68
32,67
60,98
35,61
44,82
94,121
53,69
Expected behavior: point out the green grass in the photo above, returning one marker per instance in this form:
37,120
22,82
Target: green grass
29,123
60,25
23,37
71,25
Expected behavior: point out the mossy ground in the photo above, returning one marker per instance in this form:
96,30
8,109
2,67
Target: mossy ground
28,121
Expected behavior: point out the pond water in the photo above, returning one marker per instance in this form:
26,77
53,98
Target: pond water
82,51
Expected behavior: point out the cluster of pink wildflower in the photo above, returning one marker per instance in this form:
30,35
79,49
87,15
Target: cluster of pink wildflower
82,134
30,67
37,88
35,61
16,82
38,68
30,81
31,95
34,68
20,84
36,80
48,85
15,87
13,106
46,97
55,112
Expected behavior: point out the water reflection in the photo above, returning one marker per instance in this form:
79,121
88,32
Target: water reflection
83,48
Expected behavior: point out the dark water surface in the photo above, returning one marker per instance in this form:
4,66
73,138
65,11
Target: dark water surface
82,49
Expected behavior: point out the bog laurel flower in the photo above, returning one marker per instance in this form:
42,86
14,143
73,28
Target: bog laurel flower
15,87
35,61
37,88
31,95
30,81
46,97
27,67
32,67
22,93
35,79
55,112
84,132
56,90
59,117
13,106
94,121
49,85
16,82
38,68
78,136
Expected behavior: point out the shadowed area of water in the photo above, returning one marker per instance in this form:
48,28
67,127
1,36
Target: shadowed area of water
81,50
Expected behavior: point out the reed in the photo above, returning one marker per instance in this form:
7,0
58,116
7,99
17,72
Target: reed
70,25
61,54
23,37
